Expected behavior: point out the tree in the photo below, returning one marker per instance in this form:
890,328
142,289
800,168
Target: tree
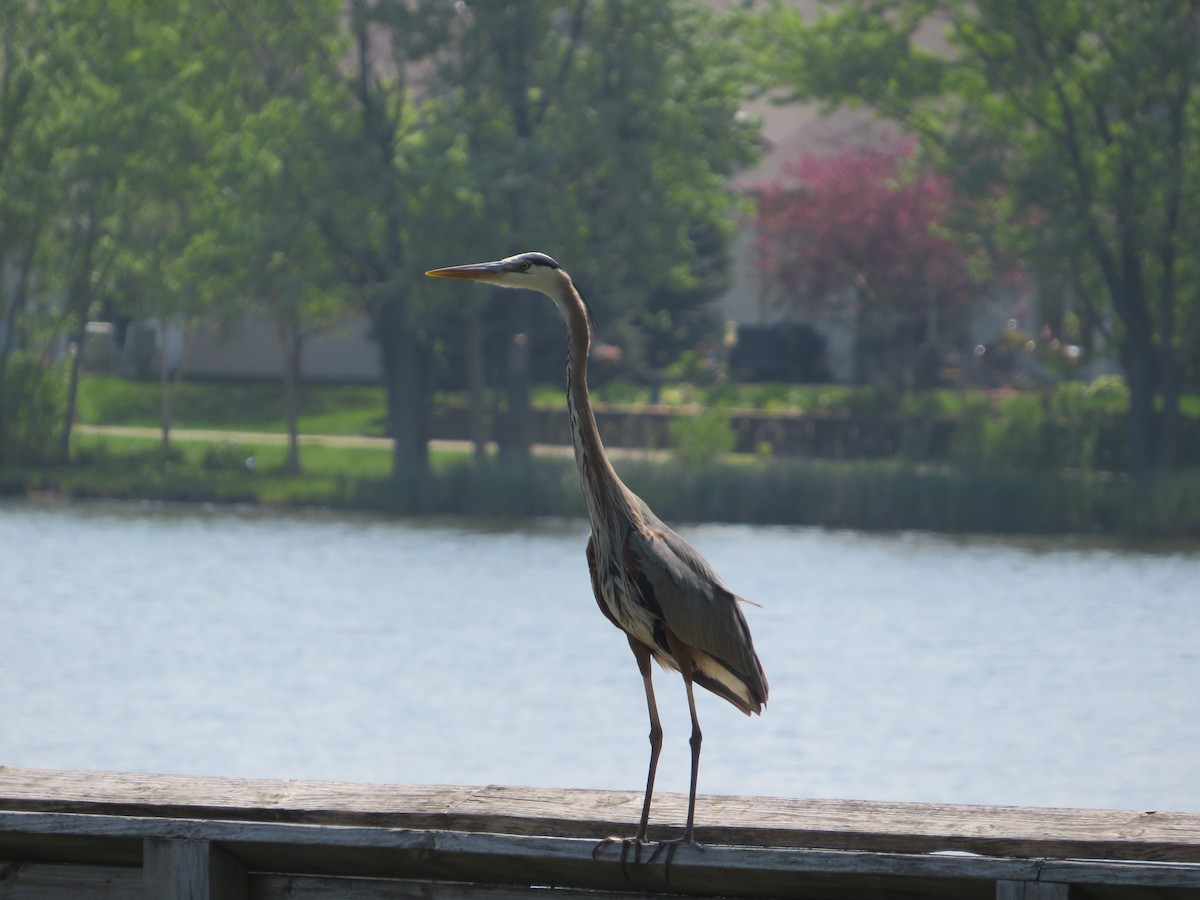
657,111
391,195
27,67
605,132
865,235
486,128
102,114
514,66
130,167
1081,118
253,233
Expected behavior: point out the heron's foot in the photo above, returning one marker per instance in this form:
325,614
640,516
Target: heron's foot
636,844
671,847
632,852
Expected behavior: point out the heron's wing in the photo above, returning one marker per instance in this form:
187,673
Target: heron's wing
591,561
700,610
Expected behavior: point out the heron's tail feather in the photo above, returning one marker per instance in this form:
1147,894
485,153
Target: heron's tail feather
747,694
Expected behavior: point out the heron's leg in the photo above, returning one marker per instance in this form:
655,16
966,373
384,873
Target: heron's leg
689,835
656,734
686,661
689,831
643,657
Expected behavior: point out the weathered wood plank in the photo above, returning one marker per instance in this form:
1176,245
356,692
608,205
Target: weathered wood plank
191,869
524,860
321,887
756,821
44,881
1031,890
1096,872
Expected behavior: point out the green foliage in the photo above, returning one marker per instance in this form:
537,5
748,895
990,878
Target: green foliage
164,161
1078,121
870,495
768,489
619,391
702,437
1072,426
128,456
228,455
875,399
1108,392
604,134
31,409
1067,428
693,367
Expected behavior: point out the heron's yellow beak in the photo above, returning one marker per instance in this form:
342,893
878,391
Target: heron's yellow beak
489,271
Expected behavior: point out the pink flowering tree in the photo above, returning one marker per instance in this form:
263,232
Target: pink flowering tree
868,236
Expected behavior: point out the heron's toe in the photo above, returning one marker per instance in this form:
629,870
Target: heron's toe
627,844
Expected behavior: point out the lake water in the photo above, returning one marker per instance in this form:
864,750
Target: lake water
256,643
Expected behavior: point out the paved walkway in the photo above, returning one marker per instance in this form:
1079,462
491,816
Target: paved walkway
258,437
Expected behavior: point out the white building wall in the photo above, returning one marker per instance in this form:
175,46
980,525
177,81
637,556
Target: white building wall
251,349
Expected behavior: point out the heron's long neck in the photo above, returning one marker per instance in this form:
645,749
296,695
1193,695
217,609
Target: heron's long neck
603,490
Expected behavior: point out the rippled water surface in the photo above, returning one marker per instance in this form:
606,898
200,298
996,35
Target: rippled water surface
319,645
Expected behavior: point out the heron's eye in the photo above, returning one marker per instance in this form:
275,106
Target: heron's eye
525,266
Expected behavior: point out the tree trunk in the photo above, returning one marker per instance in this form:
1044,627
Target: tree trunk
9,341
293,343
1169,375
1144,422
1139,356
169,381
64,440
406,382
166,407
1168,418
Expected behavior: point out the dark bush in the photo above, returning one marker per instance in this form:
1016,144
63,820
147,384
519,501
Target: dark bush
32,404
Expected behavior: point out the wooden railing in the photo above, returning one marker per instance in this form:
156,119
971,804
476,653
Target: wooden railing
789,434
85,835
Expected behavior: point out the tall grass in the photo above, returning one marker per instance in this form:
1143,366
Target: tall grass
897,496
867,495
1003,471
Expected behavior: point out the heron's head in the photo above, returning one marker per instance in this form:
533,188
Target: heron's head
535,271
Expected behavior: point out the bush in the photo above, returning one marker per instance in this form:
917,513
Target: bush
32,405
1069,427
702,437
1109,392
227,455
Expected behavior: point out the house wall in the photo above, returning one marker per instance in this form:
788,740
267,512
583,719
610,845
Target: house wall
251,349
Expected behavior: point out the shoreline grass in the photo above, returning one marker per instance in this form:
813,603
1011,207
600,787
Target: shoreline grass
868,495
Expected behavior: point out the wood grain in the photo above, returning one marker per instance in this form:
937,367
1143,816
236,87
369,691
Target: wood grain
42,881
750,821
191,869
182,837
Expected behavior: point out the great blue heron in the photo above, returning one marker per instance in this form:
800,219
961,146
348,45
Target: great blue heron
648,581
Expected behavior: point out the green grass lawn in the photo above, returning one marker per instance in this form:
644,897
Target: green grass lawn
874,494
235,406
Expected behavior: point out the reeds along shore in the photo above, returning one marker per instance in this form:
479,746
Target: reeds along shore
866,495
1048,462
873,495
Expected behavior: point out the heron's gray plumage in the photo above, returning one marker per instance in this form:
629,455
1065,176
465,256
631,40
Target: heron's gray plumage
704,613
648,581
